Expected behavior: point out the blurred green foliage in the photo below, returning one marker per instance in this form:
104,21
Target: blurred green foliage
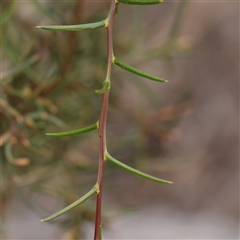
47,85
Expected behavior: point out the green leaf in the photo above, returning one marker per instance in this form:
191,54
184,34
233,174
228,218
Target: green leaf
135,171
136,71
106,86
95,189
74,132
74,27
140,2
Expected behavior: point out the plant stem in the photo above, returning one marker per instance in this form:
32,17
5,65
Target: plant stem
102,122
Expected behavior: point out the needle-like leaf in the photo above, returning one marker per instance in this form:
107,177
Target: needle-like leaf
135,171
106,86
95,189
140,2
74,27
74,132
136,71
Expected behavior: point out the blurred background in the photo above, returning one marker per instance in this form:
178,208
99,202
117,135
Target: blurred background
186,130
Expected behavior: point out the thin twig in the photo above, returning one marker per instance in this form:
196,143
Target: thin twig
102,122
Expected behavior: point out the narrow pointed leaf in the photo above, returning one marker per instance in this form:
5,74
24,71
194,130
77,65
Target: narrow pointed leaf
140,2
73,205
73,132
135,171
136,71
106,86
74,27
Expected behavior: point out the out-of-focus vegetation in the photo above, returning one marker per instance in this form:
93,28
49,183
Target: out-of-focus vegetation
48,81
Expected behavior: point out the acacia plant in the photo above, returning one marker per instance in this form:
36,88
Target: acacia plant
100,125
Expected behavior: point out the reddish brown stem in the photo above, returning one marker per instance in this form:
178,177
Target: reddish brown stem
102,123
